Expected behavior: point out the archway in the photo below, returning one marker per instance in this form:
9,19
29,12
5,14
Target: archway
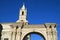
34,36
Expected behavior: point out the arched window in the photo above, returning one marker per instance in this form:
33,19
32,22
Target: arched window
22,12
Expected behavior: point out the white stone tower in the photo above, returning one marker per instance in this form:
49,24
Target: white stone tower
22,14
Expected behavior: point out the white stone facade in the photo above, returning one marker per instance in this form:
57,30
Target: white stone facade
19,30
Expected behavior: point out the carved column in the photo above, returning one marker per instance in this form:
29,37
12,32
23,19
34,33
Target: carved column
14,34
49,35
19,30
18,34
54,32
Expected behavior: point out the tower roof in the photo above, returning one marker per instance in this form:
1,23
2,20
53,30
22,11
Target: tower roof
23,7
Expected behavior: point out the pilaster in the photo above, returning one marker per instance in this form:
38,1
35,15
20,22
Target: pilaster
54,32
49,34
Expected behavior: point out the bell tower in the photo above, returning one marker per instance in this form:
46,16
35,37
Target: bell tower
22,14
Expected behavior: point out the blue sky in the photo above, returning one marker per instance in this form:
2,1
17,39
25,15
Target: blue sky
39,11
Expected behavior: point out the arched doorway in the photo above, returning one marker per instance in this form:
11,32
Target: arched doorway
34,36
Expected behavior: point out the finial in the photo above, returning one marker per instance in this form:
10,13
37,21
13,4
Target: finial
23,7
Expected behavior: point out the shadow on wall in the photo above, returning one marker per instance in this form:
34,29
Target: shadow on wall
0,30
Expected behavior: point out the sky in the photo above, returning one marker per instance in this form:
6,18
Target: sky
38,11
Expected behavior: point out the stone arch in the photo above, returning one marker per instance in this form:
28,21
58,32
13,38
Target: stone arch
35,33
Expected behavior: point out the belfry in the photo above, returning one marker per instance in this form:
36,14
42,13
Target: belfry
21,29
22,14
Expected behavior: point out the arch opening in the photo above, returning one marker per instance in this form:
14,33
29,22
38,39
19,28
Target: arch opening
22,12
34,36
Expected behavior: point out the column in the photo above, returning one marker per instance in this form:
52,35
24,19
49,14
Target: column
14,34
27,37
18,36
48,29
54,32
